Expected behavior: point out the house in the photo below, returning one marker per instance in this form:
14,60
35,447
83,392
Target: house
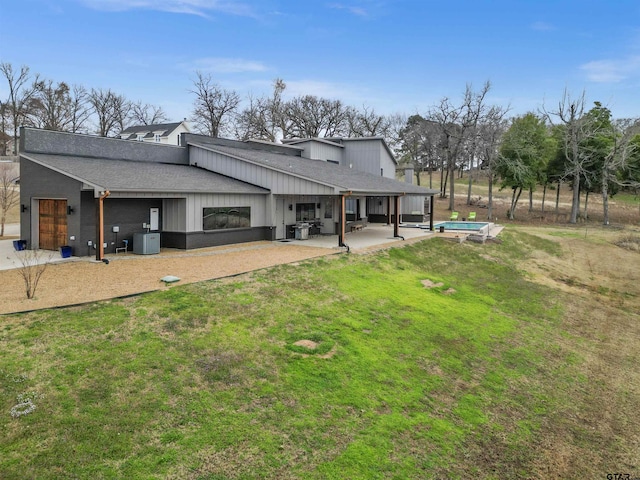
91,193
166,133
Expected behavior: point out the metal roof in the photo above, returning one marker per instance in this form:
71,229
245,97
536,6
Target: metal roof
342,178
133,176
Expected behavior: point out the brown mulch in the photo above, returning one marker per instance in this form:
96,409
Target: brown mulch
85,280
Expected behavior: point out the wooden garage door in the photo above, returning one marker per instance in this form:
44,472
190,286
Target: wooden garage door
53,224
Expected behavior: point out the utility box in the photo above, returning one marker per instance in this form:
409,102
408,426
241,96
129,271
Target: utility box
146,243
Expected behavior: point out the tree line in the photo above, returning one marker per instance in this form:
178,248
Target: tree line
570,146
584,149
216,111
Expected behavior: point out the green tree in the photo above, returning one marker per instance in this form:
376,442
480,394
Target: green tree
525,150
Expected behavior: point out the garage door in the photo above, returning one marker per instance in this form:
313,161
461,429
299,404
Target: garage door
53,224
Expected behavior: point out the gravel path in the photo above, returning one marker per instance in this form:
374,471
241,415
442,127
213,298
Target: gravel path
84,280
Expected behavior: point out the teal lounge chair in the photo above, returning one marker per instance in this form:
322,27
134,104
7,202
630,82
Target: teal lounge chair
454,216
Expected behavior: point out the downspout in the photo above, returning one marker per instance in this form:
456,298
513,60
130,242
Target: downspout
100,227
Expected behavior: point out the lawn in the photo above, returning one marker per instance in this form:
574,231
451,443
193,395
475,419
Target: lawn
436,360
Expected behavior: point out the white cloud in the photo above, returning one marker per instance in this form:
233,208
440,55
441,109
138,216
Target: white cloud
611,71
192,7
228,65
358,11
542,26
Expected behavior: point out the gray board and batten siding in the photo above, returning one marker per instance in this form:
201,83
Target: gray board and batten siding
329,179
279,181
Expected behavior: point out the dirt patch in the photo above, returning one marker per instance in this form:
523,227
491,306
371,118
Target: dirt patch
430,284
449,291
310,344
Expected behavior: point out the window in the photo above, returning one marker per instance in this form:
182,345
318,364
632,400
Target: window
156,137
140,138
305,211
217,218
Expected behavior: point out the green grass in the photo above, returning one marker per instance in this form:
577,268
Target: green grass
203,381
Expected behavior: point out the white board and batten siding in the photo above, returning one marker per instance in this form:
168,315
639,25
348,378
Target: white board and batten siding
280,183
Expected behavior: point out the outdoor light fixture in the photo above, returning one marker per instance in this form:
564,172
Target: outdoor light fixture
24,208
290,207
318,205
70,210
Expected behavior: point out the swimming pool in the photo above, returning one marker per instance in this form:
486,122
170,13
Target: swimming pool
481,227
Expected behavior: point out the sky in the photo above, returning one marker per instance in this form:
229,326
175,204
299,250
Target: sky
392,56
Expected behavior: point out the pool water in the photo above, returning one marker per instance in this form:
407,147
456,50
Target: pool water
467,226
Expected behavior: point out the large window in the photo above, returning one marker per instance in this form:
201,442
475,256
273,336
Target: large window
216,218
305,212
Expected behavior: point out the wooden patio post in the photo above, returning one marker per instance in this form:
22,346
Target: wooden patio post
388,210
100,226
343,220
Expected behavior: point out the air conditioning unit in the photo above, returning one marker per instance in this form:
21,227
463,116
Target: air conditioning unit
146,243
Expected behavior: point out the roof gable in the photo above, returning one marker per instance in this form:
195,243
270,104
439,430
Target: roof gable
343,179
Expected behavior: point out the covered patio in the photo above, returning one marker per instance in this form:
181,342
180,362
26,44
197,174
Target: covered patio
375,235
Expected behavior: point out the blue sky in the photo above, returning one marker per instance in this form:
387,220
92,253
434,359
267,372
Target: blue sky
393,56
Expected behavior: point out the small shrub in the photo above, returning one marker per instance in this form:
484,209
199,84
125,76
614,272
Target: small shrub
629,242
33,264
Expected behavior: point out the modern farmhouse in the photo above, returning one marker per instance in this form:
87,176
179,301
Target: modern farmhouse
92,193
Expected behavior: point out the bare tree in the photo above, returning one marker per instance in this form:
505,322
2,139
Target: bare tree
79,109
4,138
9,193
33,264
145,114
51,106
570,114
395,124
490,132
420,146
309,116
263,119
214,107
20,95
617,159
111,111
365,123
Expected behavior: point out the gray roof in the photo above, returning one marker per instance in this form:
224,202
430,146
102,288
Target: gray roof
342,178
148,130
132,176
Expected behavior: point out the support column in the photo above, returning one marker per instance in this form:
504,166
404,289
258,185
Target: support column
343,220
431,213
388,210
100,226
396,222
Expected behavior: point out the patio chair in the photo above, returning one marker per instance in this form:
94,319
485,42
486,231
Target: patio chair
472,216
454,216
